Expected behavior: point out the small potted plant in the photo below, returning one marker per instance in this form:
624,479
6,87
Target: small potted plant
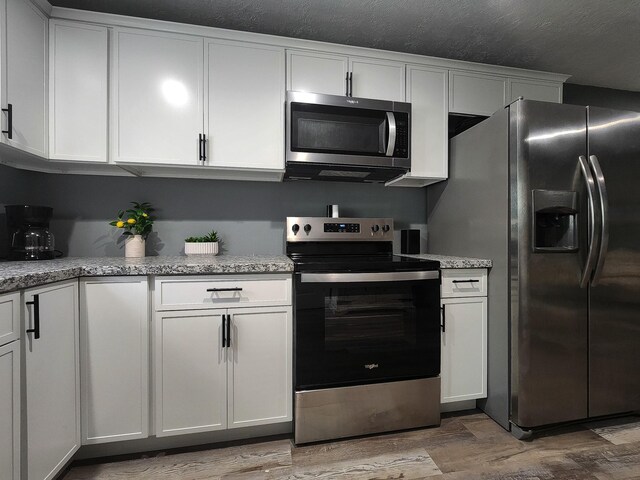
136,224
205,245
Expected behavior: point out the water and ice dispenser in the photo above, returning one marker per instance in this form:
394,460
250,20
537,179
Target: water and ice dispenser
555,221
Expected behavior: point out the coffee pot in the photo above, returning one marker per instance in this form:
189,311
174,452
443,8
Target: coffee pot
29,235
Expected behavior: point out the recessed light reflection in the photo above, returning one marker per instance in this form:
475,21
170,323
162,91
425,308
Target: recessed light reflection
175,93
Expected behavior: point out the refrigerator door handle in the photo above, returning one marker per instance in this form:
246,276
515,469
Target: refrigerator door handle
604,217
591,191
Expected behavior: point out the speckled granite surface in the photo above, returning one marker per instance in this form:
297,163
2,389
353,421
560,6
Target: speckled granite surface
16,275
447,261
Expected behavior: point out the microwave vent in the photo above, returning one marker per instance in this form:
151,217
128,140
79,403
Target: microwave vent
343,173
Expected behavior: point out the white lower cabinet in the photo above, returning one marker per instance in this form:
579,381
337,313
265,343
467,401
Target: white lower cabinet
464,339
10,411
114,359
202,385
52,409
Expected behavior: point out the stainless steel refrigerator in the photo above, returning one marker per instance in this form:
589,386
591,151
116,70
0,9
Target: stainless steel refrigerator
551,193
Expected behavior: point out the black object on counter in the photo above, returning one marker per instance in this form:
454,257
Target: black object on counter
410,241
29,235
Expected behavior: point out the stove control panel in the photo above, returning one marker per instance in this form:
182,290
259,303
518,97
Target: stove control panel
324,229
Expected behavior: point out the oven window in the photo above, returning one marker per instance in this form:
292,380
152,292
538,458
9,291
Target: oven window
357,333
369,323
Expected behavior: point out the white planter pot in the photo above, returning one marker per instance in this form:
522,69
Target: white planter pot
134,246
201,248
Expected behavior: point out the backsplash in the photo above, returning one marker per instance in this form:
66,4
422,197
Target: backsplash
249,216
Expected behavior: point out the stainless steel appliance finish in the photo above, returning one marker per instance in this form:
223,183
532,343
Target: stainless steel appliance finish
554,204
363,409
325,229
366,330
331,137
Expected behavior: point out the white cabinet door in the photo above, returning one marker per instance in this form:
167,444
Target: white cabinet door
464,354
78,75
190,372
157,97
51,376
114,366
535,90
475,93
26,90
317,72
427,91
9,317
245,105
375,78
10,411
260,366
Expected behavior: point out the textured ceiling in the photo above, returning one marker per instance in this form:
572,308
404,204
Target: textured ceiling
595,41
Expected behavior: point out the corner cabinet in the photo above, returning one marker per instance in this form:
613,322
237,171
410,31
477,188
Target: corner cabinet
156,97
78,94
225,367
52,408
114,358
24,76
464,335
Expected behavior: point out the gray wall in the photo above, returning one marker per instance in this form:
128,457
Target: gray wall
601,97
248,215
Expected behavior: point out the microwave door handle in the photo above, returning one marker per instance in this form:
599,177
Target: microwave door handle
391,145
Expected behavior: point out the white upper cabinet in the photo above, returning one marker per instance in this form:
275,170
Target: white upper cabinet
244,108
157,97
376,78
25,77
476,93
535,90
428,95
78,62
341,75
317,72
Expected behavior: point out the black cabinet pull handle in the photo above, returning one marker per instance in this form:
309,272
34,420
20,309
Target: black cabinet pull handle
351,84
228,331
464,281
224,330
204,148
346,85
36,317
443,325
233,289
9,130
199,147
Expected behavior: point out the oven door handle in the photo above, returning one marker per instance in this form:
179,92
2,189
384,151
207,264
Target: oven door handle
368,277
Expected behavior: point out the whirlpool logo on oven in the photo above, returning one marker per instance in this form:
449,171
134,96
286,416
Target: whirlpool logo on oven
371,366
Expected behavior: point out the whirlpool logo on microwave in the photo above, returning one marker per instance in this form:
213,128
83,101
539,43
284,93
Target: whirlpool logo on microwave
352,101
371,366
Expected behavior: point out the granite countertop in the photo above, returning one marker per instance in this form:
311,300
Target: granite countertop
17,275
447,261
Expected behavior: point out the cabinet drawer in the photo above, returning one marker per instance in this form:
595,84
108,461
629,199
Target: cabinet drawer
470,282
9,317
176,293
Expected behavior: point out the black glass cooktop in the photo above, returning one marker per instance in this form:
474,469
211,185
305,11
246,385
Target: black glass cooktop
361,263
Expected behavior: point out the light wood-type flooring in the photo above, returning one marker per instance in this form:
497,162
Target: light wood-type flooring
467,446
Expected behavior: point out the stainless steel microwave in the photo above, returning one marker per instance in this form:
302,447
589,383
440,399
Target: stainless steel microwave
330,137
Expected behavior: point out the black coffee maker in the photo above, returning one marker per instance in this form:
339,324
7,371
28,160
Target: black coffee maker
29,235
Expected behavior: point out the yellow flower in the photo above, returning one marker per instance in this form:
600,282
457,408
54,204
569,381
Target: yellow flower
119,224
145,215
131,221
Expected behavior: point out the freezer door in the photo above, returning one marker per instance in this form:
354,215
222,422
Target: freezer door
614,320
548,251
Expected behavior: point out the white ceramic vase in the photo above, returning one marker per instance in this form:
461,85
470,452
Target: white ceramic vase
134,246
201,248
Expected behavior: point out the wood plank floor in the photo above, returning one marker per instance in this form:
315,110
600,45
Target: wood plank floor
469,446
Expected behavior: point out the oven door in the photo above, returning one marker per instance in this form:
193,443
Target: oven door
360,328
